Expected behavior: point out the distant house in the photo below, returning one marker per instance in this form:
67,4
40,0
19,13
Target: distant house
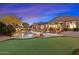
58,23
67,22
40,26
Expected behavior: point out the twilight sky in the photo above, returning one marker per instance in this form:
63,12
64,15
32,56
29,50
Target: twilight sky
32,13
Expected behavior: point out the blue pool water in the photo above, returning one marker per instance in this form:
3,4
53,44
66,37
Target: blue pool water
24,35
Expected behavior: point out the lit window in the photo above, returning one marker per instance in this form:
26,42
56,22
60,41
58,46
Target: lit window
71,24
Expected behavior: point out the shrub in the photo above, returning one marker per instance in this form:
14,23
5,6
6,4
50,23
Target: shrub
2,26
65,29
6,29
75,52
9,29
75,29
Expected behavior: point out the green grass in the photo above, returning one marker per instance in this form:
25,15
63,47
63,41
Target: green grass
40,46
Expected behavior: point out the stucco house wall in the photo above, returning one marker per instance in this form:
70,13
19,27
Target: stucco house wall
65,19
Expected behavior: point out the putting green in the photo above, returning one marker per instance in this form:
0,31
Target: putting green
40,46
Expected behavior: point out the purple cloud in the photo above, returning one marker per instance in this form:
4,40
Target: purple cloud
35,12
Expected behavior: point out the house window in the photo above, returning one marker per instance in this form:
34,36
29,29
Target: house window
71,24
53,26
46,26
42,26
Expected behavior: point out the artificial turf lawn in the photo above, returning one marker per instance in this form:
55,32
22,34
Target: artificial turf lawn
40,46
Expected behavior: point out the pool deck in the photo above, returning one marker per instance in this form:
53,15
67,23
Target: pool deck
71,33
67,33
2,38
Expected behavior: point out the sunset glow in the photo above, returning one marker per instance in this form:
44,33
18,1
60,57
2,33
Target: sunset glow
33,13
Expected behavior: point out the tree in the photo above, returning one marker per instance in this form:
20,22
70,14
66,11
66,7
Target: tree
2,26
11,19
6,29
9,30
26,25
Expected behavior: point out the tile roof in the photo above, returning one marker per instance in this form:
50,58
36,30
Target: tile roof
64,18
